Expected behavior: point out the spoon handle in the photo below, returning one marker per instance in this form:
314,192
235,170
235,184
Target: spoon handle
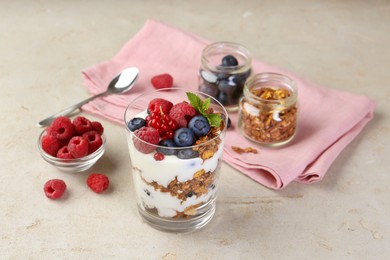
67,111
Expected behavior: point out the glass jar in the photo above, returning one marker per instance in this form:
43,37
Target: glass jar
225,66
268,110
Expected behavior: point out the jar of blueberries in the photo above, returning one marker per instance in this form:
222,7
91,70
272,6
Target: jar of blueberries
225,66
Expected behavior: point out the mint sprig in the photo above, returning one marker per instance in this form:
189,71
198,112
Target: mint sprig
202,107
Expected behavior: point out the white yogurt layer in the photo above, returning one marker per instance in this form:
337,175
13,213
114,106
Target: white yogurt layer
147,169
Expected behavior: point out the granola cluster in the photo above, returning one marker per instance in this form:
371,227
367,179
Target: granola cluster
207,150
240,150
196,186
273,123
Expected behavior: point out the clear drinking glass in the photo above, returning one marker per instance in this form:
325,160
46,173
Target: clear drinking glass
173,194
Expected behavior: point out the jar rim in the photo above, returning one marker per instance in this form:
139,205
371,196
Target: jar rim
223,47
268,77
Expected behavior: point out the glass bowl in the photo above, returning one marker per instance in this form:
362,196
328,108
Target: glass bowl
72,165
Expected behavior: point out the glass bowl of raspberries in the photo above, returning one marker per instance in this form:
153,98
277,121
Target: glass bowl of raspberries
72,145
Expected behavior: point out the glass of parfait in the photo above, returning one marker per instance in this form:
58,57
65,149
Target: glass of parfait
175,140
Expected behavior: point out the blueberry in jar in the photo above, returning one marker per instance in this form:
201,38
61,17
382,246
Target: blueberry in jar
209,89
240,78
227,86
223,98
229,61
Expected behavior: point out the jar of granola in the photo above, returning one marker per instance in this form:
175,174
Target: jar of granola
268,110
225,66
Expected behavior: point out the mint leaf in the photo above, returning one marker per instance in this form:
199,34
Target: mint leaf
214,119
195,101
206,104
202,107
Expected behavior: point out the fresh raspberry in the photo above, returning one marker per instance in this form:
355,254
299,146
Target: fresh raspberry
98,127
78,146
182,113
162,81
82,125
64,153
98,182
94,140
50,144
54,189
61,128
146,136
162,122
160,105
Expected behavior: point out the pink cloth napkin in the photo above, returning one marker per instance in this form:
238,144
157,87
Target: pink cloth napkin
328,121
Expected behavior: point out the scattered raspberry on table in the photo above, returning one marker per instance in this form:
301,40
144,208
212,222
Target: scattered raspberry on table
54,189
162,81
98,182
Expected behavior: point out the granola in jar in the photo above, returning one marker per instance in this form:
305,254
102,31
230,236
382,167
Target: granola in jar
268,111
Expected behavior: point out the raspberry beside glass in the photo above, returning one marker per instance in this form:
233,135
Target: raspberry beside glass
175,143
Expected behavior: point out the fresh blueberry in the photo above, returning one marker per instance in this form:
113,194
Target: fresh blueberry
240,78
187,154
184,137
227,86
210,89
238,93
136,123
199,125
229,60
223,98
167,143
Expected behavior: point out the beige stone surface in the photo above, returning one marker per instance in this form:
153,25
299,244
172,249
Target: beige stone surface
45,44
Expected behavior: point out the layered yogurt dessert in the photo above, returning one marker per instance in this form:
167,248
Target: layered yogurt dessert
176,151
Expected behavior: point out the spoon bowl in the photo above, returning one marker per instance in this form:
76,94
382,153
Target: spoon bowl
121,83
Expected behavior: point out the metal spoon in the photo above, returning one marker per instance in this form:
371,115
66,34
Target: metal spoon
123,82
